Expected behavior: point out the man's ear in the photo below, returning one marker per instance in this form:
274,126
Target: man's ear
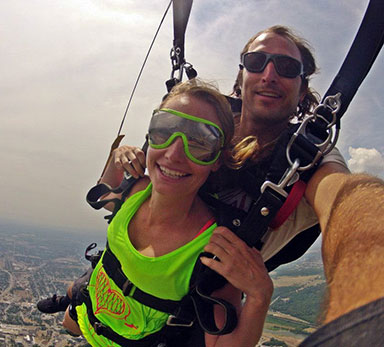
303,90
302,96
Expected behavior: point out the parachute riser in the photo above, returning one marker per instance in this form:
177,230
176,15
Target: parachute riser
181,13
179,65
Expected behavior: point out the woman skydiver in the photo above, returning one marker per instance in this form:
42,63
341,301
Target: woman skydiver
163,226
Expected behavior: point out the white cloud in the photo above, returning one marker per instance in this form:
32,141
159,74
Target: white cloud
368,160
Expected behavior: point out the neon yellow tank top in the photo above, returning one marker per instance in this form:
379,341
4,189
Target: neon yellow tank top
166,277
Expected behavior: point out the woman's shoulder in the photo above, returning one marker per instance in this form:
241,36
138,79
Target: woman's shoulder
140,184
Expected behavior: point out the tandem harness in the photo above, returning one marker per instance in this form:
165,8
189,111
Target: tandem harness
296,156
199,303
194,306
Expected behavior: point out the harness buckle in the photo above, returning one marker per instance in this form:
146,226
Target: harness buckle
127,287
288,176
173,321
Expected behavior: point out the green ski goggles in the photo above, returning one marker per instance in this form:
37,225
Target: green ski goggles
202,139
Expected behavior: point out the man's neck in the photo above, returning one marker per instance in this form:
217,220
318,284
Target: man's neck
264,132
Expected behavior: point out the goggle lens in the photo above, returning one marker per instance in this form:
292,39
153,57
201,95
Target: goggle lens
202,139
285,66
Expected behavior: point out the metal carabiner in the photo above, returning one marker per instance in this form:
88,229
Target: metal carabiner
279,188
176,62
333,104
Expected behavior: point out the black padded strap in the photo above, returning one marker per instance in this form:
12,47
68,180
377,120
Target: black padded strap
181,12
295,248
95,193
361,56
264,209
204,308
205,282
261,214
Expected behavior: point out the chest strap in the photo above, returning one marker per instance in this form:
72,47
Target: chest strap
112,267
196,305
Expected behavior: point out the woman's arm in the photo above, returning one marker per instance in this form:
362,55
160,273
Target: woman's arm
245,271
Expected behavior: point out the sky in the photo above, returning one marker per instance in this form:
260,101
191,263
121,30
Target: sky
67,69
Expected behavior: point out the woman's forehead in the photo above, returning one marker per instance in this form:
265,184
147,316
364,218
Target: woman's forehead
193,106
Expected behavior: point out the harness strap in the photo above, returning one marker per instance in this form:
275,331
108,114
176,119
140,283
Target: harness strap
181,12
197,304
273,197
204,303
361,56
152,340
112,267
99,190
290,204
93,258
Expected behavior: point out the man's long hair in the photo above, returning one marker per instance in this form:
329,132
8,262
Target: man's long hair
248,148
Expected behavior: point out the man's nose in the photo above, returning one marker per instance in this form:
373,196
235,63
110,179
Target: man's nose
269,73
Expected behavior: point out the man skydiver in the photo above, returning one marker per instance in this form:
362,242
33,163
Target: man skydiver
349,207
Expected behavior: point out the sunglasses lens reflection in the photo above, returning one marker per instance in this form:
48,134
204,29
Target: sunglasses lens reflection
285,66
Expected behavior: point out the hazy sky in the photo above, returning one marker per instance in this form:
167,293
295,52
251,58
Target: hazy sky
68,68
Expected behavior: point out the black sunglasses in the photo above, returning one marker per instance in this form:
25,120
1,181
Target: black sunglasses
285,66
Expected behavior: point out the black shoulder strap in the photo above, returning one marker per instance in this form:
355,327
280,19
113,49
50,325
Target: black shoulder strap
181,12
273,192
361,56
96,192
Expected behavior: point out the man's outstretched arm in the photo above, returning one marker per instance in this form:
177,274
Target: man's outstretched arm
350,208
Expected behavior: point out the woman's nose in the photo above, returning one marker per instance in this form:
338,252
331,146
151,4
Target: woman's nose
175,152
